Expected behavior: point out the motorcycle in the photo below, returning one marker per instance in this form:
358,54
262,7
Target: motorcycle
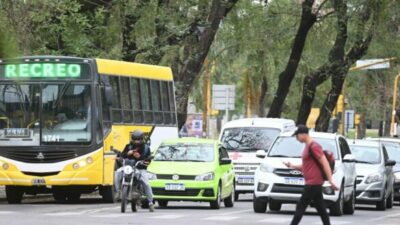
131,188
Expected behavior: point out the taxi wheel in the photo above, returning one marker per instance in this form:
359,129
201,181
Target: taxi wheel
229,201
163,203
217,203
14,194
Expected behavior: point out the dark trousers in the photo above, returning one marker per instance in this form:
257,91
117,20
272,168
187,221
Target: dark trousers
312,193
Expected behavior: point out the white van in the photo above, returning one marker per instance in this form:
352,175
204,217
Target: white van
242,138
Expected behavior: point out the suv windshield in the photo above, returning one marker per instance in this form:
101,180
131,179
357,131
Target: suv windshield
34,114
185,152
393,150
365,154
289,147
248,138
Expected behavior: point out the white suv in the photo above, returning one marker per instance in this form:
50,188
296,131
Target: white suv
276,184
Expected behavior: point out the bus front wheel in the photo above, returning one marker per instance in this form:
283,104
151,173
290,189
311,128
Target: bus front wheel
108,193
14,194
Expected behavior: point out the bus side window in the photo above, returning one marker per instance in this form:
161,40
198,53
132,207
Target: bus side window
136,100
105,112
116,107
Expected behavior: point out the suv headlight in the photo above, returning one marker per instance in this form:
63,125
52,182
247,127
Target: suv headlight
397,176
376,177
205,177
151,176
266,168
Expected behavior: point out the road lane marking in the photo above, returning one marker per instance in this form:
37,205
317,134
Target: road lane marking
235,212
221,218
64,214
336,222
168,216
275,220
385,217
6,212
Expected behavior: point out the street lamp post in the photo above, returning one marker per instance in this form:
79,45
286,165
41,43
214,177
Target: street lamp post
393,130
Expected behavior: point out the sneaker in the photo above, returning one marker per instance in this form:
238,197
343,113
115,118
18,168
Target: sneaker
151,207
118,195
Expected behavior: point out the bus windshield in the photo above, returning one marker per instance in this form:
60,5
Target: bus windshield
34,114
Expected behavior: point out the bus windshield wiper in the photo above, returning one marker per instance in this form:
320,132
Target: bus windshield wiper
62,92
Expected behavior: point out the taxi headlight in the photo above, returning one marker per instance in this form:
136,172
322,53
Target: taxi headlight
205,177
128,170
376,177
266,168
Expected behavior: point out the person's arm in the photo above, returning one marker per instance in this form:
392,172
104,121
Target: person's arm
327,170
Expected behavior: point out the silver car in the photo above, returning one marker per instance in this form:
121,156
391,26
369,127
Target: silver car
375,178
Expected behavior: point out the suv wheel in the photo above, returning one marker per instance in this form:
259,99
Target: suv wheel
337,208
259,204
389,203
350,205
381,205
275,206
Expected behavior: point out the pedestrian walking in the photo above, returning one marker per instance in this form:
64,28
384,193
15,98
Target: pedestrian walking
315,168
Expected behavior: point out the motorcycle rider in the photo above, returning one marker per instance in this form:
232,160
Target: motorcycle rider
135,151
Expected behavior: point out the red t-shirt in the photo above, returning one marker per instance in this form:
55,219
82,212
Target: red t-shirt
311,170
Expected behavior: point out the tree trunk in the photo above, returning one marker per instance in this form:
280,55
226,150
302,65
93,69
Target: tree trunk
195,51
335,60
263,97
308,18
358,50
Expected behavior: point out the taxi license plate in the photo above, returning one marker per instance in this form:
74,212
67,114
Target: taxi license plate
294,181
245,180
39,181
175,187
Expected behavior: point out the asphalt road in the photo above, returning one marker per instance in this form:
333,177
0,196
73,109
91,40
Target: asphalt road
44,210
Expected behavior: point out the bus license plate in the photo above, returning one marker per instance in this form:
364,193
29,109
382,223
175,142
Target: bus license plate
245,180
175,187
39,181
294,181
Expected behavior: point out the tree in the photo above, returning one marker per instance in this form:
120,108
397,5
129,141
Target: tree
308,18
369,13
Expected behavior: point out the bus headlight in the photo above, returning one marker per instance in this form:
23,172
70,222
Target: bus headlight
75,166
5,166
89,160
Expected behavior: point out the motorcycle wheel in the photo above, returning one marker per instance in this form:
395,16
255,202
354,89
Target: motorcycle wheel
124,198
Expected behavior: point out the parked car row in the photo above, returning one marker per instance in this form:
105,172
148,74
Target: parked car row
249,156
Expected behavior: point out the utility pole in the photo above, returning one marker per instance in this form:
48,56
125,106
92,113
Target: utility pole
206,98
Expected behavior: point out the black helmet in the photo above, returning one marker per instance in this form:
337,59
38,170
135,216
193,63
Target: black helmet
137,135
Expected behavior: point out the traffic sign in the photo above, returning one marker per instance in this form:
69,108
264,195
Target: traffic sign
223,97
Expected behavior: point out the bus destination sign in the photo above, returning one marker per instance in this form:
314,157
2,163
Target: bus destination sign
41,70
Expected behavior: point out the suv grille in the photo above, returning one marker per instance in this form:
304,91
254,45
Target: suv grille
39,156
288,173
289,189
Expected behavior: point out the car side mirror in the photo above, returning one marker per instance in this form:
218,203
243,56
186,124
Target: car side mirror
390,163
349,158
225,161
108,95
261,154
